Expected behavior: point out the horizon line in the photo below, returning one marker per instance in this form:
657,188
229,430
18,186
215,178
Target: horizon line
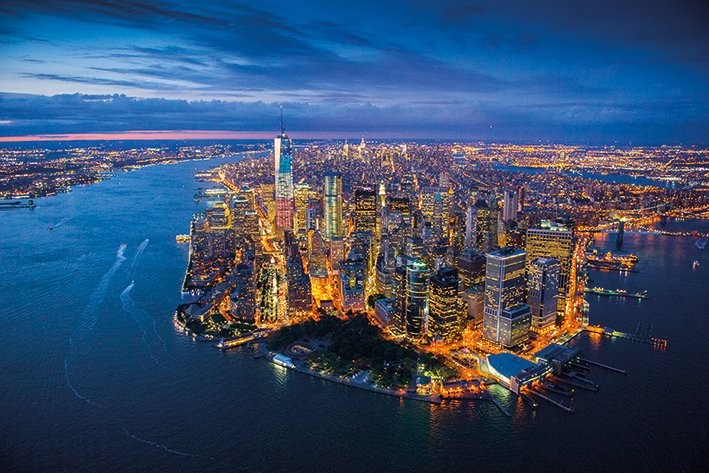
179,135
140,135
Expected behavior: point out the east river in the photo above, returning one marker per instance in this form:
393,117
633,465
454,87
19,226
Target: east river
95,376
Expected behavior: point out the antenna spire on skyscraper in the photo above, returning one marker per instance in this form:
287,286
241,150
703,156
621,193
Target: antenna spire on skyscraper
283,130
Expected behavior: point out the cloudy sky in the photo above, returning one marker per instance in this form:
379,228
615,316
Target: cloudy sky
603,71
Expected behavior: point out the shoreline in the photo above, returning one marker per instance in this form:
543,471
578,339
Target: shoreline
375,389
263,352
130,168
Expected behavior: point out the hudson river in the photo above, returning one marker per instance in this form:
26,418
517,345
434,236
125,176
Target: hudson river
95,377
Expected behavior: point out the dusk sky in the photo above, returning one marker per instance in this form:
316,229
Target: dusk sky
564,71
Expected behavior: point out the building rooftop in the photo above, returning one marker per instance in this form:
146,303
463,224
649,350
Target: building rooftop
508,365
556,353
506,252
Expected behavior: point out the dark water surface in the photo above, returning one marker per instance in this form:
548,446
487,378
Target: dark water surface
95,377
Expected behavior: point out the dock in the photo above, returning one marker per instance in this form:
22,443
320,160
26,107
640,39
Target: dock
589,386
641,335
235,342
557,403
595,363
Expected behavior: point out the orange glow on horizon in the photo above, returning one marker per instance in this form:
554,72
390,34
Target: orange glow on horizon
138,135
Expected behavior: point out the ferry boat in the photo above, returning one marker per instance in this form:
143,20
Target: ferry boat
612,260
617,292
121,248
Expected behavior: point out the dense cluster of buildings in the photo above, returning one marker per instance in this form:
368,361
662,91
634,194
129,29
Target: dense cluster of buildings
423,257
431,241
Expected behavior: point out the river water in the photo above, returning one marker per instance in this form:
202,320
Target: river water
95,377
610,177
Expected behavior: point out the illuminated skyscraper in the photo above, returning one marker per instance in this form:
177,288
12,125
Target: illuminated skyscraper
509,206
284,180
409,284
444,314
333,205
507,318
365,209
302,196
485,225
543,285
552,240
415,302
300,300
381,207
471,268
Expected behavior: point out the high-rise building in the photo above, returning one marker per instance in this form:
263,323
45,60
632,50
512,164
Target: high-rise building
444,308
543,289
485,226
429,197
471,268
352,275
411,304
365,202
385,267
284,180
381,207
509,205
553,240
312,215
399,204
337,252
300,300
619,235
333,205
520,199
507,318
302,196
243,297
473,299
399,214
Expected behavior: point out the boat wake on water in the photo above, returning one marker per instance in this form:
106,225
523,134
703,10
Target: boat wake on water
89,315
73,389
60,222
138,253
165,447
144,321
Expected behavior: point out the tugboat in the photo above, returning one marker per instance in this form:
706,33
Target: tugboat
695,265
50,228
